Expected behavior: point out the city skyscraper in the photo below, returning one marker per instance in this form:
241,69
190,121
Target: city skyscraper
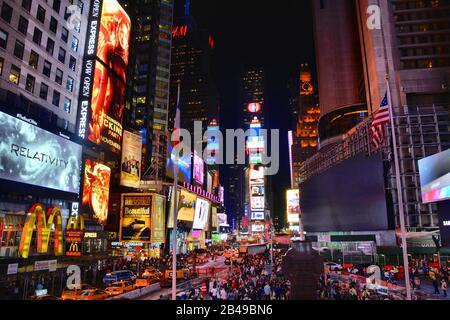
147,98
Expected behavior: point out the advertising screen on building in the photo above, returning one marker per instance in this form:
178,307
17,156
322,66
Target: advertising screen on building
255,158
435,177
257,215
254,107
96,190
222,219
158,218
104,75
184,166
198,169
186,205
37,157
135,223
255,143
221,195
214,223
130,172
257,203
74,243
257,228
201,214
257,175
293,205
212,145
257,190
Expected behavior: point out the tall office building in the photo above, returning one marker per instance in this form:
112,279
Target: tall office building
252,95
303,102
339,68
41,52
192,49
147,95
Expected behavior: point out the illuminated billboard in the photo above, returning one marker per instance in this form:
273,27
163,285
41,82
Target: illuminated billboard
257,215
256,175
201,214
184,166
293,205
135,223
257,228
435,177
130,171
254,107
198,169
212,143
158,219
37,157
214,223
101,103
257,203
222,219
186,206
96,190
255,158
255,143
257,190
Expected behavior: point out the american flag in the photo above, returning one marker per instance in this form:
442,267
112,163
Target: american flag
380,118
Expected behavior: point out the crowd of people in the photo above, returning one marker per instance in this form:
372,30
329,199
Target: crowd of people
250,279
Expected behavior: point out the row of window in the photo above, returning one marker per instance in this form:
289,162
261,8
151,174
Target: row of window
423,27
14,77
426,63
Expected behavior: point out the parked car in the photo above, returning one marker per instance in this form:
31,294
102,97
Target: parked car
71,294
121,275
119,287
93,294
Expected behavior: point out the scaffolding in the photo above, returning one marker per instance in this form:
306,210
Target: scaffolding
421,131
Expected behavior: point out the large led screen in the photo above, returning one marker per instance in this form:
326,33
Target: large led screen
293,205
222,219
131,160
347,197
435,177
37,157
201,214
96,190
135,224
186,206
198,169
184,166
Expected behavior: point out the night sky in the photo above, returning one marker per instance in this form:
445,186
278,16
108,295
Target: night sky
275,35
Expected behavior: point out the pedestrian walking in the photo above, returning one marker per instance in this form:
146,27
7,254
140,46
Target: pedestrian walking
444,287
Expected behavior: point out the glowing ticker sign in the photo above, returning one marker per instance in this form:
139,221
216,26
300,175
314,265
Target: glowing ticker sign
43,222
179,31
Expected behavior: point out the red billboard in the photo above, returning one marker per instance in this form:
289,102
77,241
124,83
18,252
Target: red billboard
104,75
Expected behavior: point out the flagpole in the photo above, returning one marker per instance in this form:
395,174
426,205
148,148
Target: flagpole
175,206
399,194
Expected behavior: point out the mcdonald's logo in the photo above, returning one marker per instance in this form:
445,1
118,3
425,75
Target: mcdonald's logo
73,247
43,222
75,223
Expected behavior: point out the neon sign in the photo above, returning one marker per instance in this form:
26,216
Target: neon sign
179,31
44,222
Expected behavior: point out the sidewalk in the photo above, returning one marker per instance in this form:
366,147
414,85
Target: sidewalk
427,286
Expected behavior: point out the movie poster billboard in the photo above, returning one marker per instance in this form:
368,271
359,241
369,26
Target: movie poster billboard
186,206
37,157
201,214
158,219
135,223
130,172
101,103
96,190
198,169
222,219
293,205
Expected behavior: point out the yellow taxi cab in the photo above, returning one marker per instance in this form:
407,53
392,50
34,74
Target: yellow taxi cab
148,280
119,287
71,294
151,272
93,294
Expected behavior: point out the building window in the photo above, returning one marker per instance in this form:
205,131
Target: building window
44,91
6,12
62,55
56,5
37,36
50,46
23,25
40,15
69,84
72,63
34,60
14,74
53,25
75,43
56,97
26,4
81,6
3,39
29,84
19,49
67,105
59,76
47,68
64,35
2,61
